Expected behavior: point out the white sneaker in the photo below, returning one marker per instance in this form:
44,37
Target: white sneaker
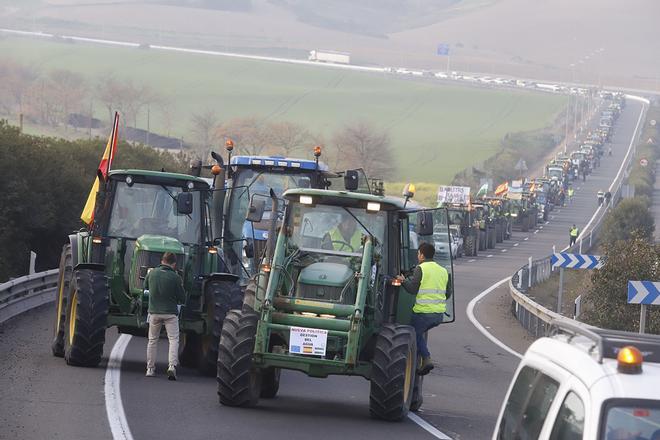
171,373
151,372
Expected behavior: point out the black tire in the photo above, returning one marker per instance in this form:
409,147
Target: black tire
87,318
393,372
220,298
470,246
63,288
482,240
239,383
189,349
524,224
417,397
270,382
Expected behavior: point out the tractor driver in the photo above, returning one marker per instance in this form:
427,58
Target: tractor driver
344,237
429,285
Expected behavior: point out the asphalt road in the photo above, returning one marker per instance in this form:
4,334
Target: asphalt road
43,398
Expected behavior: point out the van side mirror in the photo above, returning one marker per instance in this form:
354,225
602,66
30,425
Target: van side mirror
424,223
184,203
351,180
256,210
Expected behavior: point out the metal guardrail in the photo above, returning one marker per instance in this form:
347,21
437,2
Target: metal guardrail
22,294
534,317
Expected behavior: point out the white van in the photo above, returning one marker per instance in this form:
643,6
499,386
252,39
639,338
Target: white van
585,383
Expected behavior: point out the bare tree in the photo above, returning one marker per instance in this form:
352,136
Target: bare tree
67,92
288,137
16,81
205,128
247,134
360,145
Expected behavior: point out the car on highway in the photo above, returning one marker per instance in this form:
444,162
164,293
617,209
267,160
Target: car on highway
444,243
585,383
455,231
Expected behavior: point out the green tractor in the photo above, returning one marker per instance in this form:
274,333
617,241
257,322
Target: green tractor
138,216
464,217
326,305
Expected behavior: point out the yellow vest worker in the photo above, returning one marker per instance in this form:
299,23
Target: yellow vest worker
429,285
341,243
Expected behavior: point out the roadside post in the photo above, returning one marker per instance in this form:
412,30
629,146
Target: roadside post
643,293
564,260
529,271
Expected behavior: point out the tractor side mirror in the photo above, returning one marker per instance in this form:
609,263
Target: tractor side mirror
256,210
184,203
351,180
424,223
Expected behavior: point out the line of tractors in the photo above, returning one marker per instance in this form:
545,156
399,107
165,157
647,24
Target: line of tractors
262,272
478,223
272,280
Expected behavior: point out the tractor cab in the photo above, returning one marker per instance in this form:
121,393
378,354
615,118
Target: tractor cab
139,215
252,178
326,300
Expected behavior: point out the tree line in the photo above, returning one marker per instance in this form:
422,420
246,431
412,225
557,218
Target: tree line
50,98
44,186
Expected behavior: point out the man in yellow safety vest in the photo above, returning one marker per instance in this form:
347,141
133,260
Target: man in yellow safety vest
344,237
429,283
573,233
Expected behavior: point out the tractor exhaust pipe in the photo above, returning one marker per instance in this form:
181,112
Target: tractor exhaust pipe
272,228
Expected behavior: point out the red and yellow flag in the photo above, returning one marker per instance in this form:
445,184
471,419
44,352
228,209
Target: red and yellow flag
502,189
104,168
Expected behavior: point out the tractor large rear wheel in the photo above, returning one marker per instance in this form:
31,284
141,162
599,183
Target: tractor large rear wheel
239,382
221,297
393,372
470,246
63,288
87,317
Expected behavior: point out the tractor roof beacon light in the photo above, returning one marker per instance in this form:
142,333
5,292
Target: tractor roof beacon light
317,154
229,146
629,360
408,192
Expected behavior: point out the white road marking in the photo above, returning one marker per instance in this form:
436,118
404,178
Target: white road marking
547,222
515,244
536,232
540,227
481,328
489,256
503,250
113,405
428,427
526,238
471,261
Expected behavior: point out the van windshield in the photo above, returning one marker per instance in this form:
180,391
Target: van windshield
631,419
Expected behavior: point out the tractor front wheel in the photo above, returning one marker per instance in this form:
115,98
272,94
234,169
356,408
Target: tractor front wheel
239,382
270,382
87,318
393,372
220,297
63,288
417,397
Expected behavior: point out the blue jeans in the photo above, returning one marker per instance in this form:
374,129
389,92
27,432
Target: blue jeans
423,322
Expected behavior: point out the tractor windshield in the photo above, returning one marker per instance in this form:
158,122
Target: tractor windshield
334,229
151,209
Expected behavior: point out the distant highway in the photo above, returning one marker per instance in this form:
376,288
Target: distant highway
466,78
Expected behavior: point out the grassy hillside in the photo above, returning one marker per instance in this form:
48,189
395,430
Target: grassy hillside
436,130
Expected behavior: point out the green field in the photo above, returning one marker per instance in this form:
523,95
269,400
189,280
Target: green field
436,130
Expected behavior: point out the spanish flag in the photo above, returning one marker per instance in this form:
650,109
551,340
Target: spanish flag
502,189
104,168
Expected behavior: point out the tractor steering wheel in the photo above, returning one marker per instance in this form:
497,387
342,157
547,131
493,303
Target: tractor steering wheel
343,245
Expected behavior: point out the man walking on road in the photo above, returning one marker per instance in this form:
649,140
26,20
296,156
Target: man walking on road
600,196
573,234
429,284
165,293
570,194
